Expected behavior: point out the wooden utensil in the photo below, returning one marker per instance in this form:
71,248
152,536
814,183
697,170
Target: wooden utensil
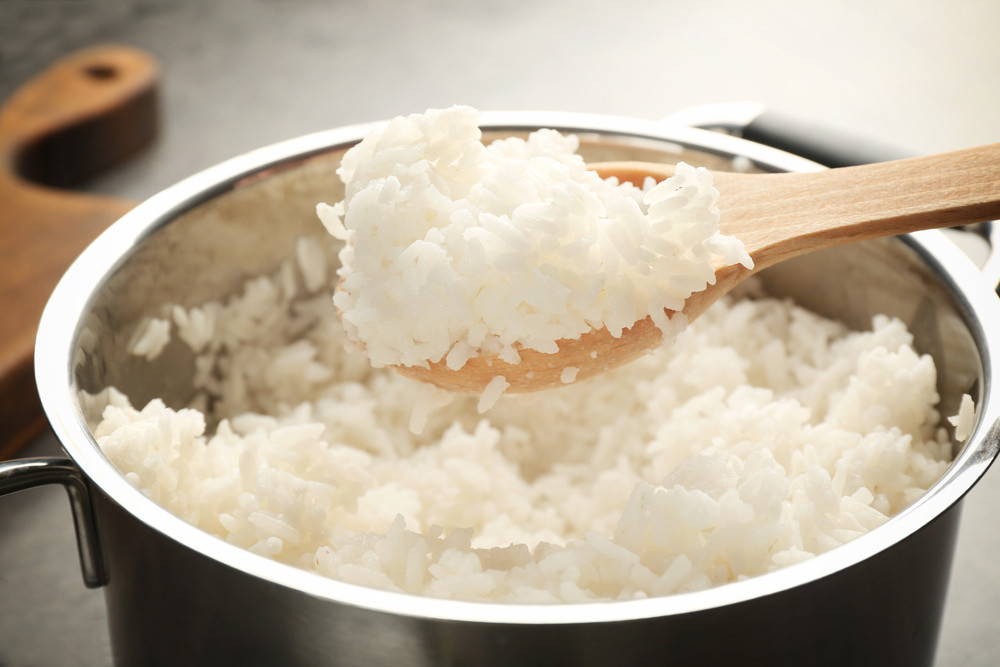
87,112
777,216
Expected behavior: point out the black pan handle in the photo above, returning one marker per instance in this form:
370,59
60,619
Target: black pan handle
828,146
816,141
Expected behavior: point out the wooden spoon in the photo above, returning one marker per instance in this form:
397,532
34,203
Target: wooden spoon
777,216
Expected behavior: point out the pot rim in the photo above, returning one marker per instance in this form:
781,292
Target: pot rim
59,328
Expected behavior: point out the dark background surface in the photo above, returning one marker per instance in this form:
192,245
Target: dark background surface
237,75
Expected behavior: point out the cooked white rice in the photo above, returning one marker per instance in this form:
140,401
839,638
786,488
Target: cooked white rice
455,249
763,436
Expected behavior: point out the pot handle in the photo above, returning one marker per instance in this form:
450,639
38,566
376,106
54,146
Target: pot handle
816,141
831,147
31,472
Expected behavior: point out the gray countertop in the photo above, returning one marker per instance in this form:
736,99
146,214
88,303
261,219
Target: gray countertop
237,75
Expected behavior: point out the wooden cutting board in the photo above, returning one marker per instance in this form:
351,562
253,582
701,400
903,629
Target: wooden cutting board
88,112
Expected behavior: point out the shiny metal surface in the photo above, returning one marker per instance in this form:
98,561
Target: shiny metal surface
167,579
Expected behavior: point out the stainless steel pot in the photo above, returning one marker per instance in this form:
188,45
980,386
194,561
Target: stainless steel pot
176,595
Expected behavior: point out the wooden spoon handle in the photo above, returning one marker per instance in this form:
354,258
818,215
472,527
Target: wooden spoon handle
784,215
778,216
87,112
